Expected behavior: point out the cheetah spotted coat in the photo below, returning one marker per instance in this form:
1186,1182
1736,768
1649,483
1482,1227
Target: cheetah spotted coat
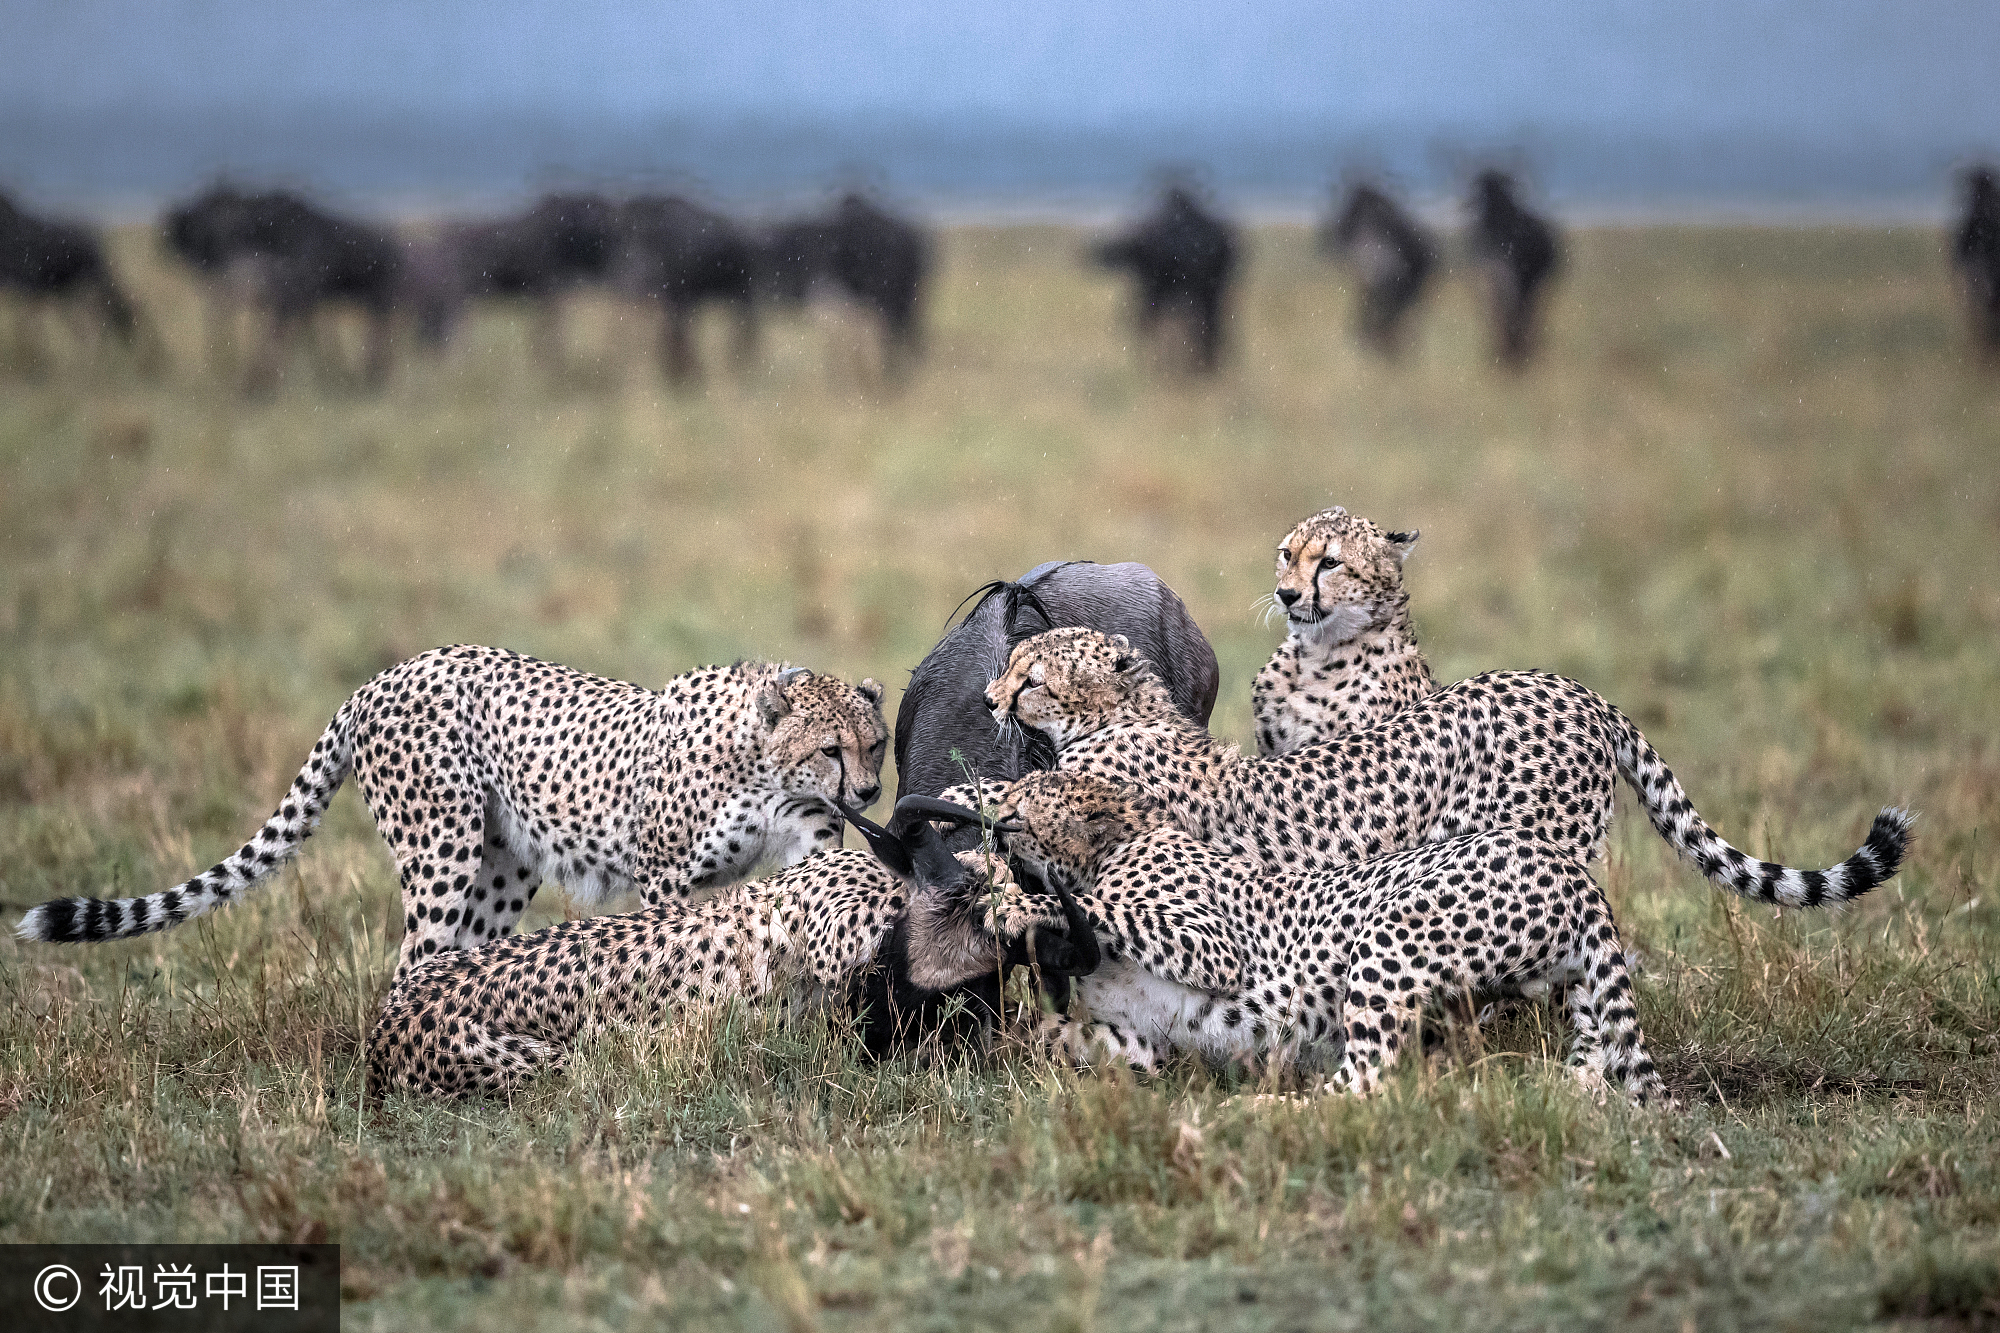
1506,749
488,772
1211,954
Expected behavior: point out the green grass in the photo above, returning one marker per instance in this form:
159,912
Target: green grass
1750,494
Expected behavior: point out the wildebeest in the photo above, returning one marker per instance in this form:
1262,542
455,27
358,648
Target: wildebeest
1976,253
1519,252
945,732
48,260
1182,258
867,254
683,256
1390,253
287,258
560,243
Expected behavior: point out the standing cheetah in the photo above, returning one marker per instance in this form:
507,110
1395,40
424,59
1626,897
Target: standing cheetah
1350,655
1210,953
1520,749
488,772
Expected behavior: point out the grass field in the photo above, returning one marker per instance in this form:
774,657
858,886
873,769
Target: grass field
1752,494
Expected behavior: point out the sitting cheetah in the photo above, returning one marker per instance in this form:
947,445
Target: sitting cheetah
488,772
1520,749
489,1019
1350,655
1209,953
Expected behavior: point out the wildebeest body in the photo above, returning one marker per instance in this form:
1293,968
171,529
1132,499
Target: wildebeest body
1182,258
859,249
57,260
288,258
1520,252
1976,252
944,711
1390,253
683,256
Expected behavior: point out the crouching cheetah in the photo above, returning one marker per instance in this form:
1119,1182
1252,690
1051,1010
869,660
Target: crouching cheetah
1507,749
1210,954
488,772
1350,655
487,1020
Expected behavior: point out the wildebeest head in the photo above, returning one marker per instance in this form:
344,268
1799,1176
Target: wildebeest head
969,914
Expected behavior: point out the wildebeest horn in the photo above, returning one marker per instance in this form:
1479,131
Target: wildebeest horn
913,808
888,848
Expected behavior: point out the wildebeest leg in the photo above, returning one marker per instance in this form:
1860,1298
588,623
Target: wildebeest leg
375,372
545,334
677,360
743,348
277,340
1207,319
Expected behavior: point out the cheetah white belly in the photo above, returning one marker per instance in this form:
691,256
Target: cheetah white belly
590,882
1165,1012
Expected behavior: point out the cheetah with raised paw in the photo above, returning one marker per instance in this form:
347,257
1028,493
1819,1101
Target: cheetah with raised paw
1210,954
1507,749
488,772
1350,655
487,1020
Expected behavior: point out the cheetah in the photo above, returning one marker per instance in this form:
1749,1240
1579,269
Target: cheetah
1522,749
1210,954
487,1020
488,772
1350,655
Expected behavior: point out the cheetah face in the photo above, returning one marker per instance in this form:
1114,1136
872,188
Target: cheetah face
1069,822
1339,575
1066,684
826,738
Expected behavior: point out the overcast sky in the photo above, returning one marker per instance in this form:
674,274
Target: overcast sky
1914,77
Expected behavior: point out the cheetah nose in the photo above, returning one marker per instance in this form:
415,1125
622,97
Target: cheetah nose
988,697
866,795
1288,595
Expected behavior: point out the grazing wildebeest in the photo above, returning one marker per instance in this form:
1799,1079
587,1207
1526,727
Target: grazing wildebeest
1392,255
1519,252
1182,257
45,259
857,248
1976,252
945,731
287,258
683,255
562,242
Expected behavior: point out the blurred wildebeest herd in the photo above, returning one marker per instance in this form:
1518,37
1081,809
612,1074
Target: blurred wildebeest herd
277,260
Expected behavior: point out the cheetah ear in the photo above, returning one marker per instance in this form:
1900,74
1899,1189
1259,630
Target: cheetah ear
872,691
1125,660
1400,543
771,702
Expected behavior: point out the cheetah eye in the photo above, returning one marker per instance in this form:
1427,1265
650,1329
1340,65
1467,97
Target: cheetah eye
830,751
1329,563
1284,556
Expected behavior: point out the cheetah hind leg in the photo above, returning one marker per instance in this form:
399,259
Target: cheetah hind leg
495,1064
501,891
1607,1045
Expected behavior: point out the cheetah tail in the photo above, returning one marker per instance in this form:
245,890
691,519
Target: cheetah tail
86,920
1676,820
